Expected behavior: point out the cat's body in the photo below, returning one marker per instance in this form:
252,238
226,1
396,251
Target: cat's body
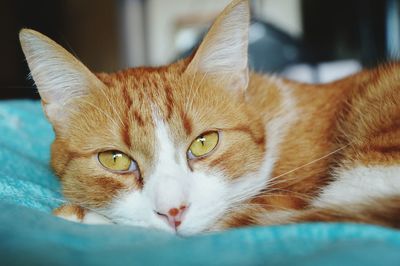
339,156
272,151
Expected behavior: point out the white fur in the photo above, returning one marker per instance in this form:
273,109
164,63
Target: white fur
169,185
94,218
71,218
360,184
90,217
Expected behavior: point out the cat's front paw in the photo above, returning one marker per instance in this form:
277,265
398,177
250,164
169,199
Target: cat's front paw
76,213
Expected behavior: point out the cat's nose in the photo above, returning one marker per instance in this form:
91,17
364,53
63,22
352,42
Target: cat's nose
174,216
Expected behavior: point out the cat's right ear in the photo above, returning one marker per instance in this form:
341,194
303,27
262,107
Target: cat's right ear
59,76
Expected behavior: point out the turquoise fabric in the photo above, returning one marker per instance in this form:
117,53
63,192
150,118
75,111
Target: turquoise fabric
30,235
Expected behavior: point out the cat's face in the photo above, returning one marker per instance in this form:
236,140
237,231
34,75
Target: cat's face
155,117
165,148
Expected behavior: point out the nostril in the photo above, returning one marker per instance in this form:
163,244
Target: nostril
173,212
174,216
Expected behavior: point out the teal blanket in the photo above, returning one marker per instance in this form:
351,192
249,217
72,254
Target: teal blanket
30,235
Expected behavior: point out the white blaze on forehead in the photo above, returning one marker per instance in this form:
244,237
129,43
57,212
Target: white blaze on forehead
168,182
165,149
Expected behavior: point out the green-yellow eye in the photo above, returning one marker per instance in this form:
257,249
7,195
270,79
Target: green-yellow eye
203,144
115,161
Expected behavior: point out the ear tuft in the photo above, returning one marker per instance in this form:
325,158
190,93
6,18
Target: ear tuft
223,51
58,75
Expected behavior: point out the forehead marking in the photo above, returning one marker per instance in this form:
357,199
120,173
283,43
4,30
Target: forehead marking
125,132
127,97
165,145
187,123
138,118
168,155
169,100
125,129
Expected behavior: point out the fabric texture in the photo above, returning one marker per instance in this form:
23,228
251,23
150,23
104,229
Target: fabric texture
30,235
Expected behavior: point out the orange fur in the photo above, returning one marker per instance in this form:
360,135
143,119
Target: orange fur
359,114
354,121
70,210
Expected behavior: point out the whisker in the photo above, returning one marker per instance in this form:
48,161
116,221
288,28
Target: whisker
192,83
258,205
78,112
307,164
196,91
111,105
292,194
249,192
101,111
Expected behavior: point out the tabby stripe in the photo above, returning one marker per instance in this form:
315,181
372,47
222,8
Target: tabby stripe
170,101
260,141
187,123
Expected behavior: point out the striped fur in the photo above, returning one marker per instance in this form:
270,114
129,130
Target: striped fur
287,153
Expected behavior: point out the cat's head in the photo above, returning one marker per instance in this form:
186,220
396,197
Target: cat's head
165,147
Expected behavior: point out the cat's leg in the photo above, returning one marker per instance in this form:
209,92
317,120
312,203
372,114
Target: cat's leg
76,213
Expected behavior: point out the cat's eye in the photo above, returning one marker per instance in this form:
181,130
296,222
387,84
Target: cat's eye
203,144
116,161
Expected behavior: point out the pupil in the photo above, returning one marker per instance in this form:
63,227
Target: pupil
202,140
115,156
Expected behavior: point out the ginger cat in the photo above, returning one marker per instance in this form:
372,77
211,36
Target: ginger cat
204,144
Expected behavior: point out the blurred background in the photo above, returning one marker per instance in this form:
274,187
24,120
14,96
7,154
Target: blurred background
307,40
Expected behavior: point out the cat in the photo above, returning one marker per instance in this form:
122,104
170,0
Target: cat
204,144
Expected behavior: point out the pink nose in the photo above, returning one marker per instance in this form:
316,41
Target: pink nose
174,216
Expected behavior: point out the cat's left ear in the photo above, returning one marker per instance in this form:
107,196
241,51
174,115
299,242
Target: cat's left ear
223,52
